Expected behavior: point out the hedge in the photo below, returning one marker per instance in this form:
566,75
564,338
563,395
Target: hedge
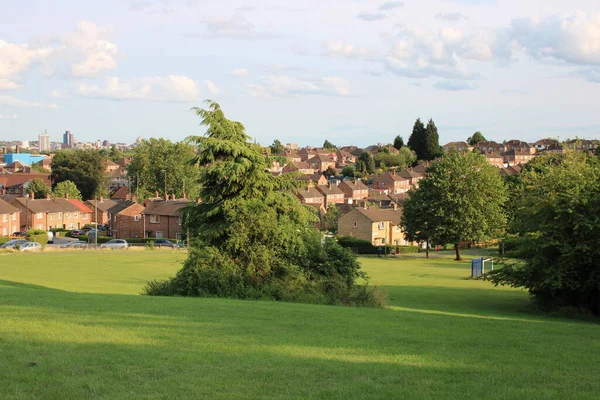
39,236
360,246
4,239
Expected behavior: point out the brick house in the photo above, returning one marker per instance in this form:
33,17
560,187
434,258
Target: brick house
354,190
48,213
412,176
306,153
458,146
85,213
125,220
491,146
314,179
310,195
331,193
163,218
321,163
17,184
299,166
376,226
544,144
121,193
391,183
495,159
10,219
103,205
517,156
519,145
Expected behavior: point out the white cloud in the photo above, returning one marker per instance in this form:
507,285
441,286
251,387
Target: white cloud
15,59
170,88
370,17
212,87
5,84
239,72
10,101
591,75
573,39
342,49
450,16
390,5
454,86
88,49
236,27
60,94
9,116
274,87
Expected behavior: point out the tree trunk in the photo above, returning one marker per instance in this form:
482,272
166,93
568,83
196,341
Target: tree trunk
427,248
457,249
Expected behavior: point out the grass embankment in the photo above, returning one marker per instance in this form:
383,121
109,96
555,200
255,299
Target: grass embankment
443,336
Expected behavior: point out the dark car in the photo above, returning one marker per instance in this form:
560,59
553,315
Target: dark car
76,233
20,234
165,243
11,244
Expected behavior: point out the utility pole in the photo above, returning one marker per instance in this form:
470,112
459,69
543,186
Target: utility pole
96,219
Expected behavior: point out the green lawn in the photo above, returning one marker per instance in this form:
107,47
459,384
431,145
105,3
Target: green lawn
78,317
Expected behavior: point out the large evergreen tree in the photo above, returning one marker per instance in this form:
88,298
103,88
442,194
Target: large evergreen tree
464,197
416,141
398,142
365,163
431,146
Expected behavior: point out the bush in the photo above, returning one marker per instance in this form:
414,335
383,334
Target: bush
39,236
150,245
4,239
360,246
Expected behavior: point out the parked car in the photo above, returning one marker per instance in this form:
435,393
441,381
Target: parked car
30,246
20,234
115,244
76,244
76,233
165,243
11,244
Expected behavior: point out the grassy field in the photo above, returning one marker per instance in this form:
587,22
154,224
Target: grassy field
78,317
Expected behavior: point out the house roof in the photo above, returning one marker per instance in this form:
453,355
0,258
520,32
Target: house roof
399,198
103,205
320,158
45,205
166,207
120,193
18,180
421,168
378,196
379,215
80,205
309,193
409,174
7,208
396,177
355,185
110,163
491,154
117,173
121,206
329,190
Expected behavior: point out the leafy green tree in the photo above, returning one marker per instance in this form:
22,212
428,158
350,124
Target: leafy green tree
332,217
115,153
251,238
465,196
38,188
398,142
156,161
330,171
476,138
557,223
418,219
416,141
349,170
404,158
431,148
64,188
85,168
328,145
277,147
366,162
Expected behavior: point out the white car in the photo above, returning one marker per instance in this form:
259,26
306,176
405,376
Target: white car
115,244
76,244
30,246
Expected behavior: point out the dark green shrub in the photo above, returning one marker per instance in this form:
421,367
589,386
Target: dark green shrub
150,245
4,239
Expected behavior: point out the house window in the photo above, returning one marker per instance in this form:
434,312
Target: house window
14,217
4,232
159,235
355,224
155,219
59,215
397,229
40,215
381,225
71,226
136,218
76,215
84,216
179,221
4,217
109,216
68,215
40,227
51,217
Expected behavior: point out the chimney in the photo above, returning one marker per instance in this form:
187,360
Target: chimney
17,149
127,196
173,197
184,196
101,198
166,196
67,196
395,205
156,193
32,195
134,198
47,196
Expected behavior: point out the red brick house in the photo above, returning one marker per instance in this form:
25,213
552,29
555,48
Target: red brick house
320,163
48,213
458,146
121,193
391,183
102,206
163,218
85,213
491,146
412,176
299,166
354,190
517,156
17,184
495,159
310,196
10,219
125,220
332,194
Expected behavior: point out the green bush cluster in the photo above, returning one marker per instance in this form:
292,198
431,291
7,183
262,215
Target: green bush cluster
39,236
360,246
4,239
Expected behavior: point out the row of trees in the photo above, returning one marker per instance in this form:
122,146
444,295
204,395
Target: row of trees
38,188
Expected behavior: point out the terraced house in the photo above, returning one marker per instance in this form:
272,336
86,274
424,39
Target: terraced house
163,217
378,226
10,219
49,213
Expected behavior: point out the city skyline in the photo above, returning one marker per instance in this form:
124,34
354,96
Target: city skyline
361,74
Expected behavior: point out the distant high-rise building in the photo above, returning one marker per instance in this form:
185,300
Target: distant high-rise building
44,141
67,140
106,143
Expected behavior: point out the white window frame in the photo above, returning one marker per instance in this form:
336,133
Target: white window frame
381,226
68,214
136,218
71,226
60,215
76,215
154,219
159,235
355,224
4,218
84,215
51,216
14,216
40,215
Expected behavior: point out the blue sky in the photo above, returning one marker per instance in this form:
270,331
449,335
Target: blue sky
353,72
